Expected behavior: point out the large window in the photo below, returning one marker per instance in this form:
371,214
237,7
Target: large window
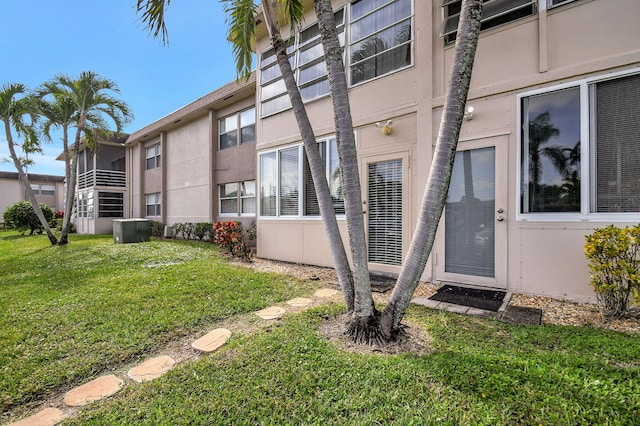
579,150
380,41
153,156
110,204
237,129
43,189
286,186
153,204
494,13
85,204
238,198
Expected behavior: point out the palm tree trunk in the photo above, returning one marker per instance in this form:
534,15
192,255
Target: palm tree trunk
363,323
440,173
72,174
316,164
27,186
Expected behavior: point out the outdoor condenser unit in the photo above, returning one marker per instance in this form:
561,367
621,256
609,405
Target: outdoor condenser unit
131,230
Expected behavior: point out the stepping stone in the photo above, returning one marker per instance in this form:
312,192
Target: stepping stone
299,302
94,390
274,312
151,369
325,292
212,341
46,417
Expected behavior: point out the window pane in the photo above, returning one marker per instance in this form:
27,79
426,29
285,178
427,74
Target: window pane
617,151
229,190
551,152
311,207
335,179
268,184
362,7
229,206
275,105
248,117
311,53
289,181
382,41
248,188
228,140
315,90
382,18
229,123
248,134
379,65
270,73
249,205
273,89
312,72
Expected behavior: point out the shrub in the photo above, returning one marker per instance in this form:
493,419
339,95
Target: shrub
230,237
615,267
156,229
203,231
22,217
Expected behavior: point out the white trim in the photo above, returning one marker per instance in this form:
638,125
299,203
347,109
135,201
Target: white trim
586,161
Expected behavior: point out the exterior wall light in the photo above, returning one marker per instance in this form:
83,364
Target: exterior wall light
385,128
468,113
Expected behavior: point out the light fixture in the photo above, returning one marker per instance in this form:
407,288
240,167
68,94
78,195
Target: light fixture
386,127
468,113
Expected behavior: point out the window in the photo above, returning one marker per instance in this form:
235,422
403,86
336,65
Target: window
85,204
380,33
110,204
553,3
228,126
153,204
579,151
238,197
380,38
286,186
494,13
43,189
153,156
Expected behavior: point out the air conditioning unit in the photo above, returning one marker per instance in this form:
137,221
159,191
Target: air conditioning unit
131,230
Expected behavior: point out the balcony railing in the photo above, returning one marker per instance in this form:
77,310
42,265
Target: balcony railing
94,178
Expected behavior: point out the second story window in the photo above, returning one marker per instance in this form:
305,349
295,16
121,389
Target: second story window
153,156
494,13
237,129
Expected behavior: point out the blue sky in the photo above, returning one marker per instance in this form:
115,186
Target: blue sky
41,38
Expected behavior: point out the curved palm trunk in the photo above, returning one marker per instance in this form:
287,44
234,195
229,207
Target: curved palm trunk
440,173
316,164
364,323
27,186
72,177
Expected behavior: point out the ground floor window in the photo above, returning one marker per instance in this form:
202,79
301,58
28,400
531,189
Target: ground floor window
237,198
286,185
153,204
579,149
85,206
110,204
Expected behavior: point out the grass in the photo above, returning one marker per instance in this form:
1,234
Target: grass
479,371
68,313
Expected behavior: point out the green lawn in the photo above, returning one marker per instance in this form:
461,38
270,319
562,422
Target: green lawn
478,371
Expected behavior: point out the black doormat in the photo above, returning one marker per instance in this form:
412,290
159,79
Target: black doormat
489,300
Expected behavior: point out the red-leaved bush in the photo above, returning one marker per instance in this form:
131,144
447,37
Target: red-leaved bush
229,236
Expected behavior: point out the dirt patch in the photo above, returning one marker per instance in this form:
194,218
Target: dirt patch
413,340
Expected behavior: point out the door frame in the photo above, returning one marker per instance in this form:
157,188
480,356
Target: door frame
501,144
405,158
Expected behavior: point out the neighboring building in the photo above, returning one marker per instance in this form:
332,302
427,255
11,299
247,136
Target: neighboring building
48,189
197,164
101,187
549,153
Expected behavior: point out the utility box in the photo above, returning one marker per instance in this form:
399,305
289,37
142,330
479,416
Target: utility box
131,230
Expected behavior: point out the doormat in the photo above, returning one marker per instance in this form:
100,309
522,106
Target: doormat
489,300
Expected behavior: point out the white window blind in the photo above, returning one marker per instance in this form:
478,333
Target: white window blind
385,212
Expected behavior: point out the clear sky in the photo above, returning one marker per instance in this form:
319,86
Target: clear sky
41,38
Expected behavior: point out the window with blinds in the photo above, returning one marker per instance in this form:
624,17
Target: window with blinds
385,212
110,204
555,166
494,13
268,183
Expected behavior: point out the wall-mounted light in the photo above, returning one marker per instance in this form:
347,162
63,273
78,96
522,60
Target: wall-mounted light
468,113
386,127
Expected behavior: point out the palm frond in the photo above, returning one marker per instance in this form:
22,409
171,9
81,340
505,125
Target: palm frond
294,13
152,16
241,22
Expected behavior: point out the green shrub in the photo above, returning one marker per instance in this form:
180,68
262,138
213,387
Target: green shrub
22,217
615,267
156,229
203,231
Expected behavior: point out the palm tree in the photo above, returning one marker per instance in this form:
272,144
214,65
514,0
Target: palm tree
13,111
91,98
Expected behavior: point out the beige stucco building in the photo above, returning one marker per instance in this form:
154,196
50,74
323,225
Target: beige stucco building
549,153
48,189
197,164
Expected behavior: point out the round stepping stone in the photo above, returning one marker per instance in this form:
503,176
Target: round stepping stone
151,369
212,340
46,417
326,292
299,302
274,312
94,390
